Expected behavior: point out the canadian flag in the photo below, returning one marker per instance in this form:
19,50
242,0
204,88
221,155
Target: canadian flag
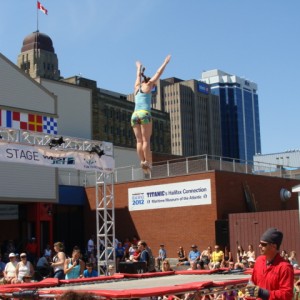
42,8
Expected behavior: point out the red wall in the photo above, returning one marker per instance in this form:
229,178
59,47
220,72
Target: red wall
247,228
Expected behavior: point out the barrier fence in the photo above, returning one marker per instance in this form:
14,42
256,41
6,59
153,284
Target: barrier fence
205,163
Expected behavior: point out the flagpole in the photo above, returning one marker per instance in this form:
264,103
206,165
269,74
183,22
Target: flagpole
37,17
35,44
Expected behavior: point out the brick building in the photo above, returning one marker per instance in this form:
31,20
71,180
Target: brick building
204,224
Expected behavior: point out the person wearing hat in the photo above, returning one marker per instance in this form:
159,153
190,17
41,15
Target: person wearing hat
272,276
23,268
10,269
194,256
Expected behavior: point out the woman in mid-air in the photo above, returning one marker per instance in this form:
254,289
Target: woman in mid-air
141,120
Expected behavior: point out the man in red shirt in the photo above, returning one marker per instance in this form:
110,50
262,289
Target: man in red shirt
272,277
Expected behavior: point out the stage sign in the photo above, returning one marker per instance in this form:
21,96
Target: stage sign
43,156
187,193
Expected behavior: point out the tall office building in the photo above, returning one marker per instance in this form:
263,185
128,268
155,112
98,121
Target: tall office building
194,116
239,114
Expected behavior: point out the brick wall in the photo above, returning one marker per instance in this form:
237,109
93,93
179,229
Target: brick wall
195,224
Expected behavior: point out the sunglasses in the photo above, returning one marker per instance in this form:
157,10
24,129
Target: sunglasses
264,244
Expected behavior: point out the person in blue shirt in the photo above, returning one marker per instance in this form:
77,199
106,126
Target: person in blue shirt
74,266
120,253
194,256
2,266
141,120
89,271
162,255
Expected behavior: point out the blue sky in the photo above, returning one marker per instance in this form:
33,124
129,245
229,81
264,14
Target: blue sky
257,39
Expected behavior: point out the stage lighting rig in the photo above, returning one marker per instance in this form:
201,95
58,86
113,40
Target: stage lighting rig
56,142
96,149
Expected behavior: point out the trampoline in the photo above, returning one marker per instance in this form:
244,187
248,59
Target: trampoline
128,286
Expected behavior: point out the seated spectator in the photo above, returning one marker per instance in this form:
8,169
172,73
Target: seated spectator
233,268
111,270
43,265
92,259
283,253
250,252
2,267
216,258
205,258
89,271
239,254
131,250
293,258
239,266
162,255
166,266
227,257
181,256
136,254
194,255
23,268
245,260
251,262
9,272
74,266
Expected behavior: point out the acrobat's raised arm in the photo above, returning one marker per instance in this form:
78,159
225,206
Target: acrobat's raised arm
160,69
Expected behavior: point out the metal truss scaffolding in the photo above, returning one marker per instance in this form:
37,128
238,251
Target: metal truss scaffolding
104,186
43,139
105,217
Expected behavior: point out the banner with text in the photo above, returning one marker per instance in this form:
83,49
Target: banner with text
188,193
42,156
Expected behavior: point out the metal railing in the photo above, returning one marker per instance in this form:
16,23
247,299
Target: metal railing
183,166
205,163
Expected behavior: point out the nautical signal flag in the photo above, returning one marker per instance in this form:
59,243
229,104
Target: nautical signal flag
35,123
25,121
42,8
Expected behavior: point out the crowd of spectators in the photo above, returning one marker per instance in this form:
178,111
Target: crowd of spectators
54,262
